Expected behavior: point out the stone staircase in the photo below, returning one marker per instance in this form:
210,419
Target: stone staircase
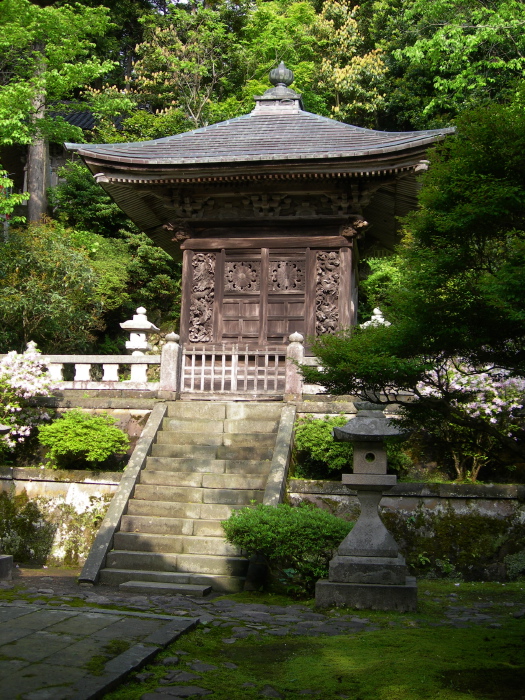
208,459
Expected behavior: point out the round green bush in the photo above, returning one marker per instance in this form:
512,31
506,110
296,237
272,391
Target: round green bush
298,543
78,438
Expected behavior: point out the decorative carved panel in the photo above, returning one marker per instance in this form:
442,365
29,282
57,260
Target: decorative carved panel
242,276
327,292
202,294
286,275
259,205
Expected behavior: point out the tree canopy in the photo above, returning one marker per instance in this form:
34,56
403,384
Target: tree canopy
455,293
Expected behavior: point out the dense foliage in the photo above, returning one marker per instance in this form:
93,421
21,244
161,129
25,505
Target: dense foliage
317,455
78,439
455,299
298,543
24,533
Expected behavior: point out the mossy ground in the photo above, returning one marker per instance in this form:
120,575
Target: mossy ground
406,659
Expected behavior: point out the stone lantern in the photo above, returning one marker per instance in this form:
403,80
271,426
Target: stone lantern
139,328
368,571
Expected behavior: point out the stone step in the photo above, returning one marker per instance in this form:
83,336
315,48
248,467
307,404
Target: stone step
215,466
167,509
171,526
192,451
174,544
181,563
154,588
244,452
180,437
230,452
180,494
226,584
199,480
215,410
156,525
230,497
270,410
241,439
247,425
194,425
199,410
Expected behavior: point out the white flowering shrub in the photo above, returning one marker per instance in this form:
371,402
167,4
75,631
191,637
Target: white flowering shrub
487,392
476,396
22,377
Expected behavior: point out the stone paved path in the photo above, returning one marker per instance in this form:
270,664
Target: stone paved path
50,653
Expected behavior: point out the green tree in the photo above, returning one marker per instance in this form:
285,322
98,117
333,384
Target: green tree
46,54
48,292
185,67
459,289
444,56
352,76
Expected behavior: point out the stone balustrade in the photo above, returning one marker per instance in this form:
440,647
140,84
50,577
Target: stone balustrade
263,370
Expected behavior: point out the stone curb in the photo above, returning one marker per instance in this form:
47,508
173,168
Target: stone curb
131,660
64,476
104,539
276,483
423,490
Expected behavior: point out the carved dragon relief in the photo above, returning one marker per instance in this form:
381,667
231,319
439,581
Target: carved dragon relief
202,295
327,292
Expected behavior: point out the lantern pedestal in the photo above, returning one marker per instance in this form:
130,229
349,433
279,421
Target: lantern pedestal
368,572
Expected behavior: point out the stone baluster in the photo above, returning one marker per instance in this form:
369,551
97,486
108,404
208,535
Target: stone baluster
82,372
170,364
139,328
56,371
110,372
293,378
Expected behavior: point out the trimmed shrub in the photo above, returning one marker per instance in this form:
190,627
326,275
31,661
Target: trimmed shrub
297,543
79,439
316,454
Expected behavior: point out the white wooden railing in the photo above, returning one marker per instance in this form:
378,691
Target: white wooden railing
233,369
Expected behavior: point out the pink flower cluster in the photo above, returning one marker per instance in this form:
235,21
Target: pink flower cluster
22,377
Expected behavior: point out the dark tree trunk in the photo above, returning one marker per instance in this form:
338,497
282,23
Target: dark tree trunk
37,155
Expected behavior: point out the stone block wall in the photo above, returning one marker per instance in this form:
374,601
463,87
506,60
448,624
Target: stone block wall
454,530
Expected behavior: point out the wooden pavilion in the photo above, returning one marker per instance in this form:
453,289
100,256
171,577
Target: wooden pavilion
266,209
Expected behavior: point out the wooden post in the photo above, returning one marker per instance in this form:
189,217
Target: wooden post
170,367
293,388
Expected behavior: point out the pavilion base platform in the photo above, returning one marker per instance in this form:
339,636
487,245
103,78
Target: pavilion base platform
367,596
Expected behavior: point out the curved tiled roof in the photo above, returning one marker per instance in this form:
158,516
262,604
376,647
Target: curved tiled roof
262,136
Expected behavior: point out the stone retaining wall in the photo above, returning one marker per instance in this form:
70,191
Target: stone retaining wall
491,500
69,507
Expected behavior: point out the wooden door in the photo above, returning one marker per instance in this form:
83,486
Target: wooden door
263,296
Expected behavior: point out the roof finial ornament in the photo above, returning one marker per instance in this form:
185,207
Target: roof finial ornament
281,76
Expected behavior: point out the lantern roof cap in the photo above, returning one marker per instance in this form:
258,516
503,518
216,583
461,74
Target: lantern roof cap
370,425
